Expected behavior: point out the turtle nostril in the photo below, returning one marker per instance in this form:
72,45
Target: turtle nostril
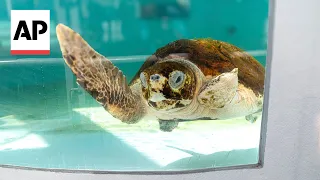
152,104
155,77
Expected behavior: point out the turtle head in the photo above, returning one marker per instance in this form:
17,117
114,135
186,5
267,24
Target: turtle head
168,86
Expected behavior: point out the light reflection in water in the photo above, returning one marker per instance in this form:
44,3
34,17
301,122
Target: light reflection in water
201,137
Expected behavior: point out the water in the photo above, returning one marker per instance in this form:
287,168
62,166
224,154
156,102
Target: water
47,121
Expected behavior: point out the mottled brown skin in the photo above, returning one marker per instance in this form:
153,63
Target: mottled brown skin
214,57
173,97
99,77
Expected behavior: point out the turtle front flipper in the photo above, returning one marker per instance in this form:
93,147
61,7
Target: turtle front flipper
220,90
99,77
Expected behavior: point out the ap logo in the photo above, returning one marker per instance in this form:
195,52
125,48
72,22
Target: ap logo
30,32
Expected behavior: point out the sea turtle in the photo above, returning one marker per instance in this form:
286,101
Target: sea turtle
188,79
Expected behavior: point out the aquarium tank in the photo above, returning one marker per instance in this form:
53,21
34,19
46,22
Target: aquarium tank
196,104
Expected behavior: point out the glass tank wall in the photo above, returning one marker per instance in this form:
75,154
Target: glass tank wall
48,121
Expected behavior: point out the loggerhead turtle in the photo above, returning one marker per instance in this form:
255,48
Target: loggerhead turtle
187,79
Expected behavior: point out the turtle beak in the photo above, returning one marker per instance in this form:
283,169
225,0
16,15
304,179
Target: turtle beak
156,97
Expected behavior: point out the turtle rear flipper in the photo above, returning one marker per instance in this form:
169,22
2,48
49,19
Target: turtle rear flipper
252,118
99,77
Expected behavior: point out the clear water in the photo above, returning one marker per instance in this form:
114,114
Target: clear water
47,121
50,123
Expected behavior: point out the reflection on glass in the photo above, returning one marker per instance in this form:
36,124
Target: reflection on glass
47,120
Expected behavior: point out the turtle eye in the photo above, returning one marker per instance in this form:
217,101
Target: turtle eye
143,80
176,79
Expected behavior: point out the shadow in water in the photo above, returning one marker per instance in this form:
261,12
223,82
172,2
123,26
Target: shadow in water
74,144
214,160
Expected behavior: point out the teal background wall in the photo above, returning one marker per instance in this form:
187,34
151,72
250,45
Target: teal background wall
117,27
121,28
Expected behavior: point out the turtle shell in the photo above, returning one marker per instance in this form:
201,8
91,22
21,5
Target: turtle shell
214,57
